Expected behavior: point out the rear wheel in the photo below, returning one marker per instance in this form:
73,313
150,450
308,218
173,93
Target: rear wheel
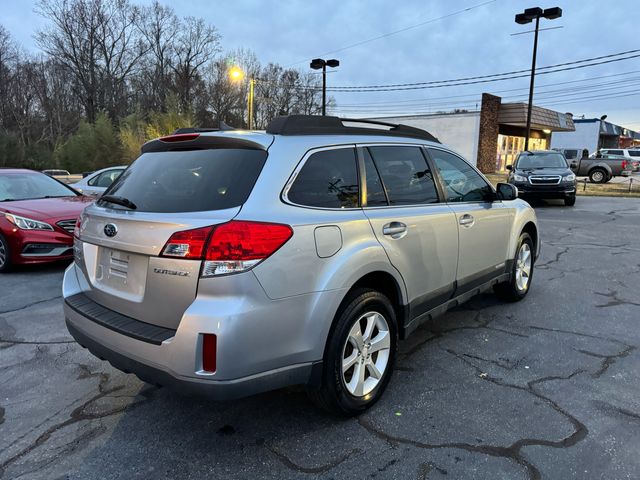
598,175
5,262
359,356
521,273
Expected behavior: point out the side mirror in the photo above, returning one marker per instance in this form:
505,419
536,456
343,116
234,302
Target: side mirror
573,166
506,191
509,167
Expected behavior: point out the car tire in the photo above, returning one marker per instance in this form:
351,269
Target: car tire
516,288
343,391
570,201
5,257
598,175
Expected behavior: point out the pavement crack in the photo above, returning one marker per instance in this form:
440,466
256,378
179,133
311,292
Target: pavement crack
615,300
29,305
290,464
79,414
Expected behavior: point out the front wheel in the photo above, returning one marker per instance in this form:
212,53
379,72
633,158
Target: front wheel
359,356
517,287
570,201
5,262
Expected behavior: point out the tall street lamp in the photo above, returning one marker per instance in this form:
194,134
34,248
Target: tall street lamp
320,63
236,74
528,16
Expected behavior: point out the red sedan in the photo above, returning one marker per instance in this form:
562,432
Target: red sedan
37,218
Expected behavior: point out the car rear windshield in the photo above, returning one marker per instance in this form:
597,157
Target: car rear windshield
541,160
189,180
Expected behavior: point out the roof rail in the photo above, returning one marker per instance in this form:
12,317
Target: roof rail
326,125
221,128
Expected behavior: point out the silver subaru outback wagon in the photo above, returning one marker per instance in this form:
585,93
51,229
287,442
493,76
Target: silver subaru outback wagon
228,263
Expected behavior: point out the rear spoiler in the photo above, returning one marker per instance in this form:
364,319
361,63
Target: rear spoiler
196,141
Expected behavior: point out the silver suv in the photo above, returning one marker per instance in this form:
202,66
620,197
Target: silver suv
233,262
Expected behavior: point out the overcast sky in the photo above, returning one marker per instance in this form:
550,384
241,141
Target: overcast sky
475,42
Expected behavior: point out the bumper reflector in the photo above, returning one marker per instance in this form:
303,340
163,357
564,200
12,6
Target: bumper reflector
209,346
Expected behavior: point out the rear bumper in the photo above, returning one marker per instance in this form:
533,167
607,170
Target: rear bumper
262,344
213,389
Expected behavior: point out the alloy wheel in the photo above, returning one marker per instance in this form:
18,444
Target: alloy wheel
365,355
523,267
3,254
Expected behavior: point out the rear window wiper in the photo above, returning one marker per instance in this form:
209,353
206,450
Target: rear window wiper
125,202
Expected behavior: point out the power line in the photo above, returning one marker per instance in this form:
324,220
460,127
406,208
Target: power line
477,94
395,32
514,72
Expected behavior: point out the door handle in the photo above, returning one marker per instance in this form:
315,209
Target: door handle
466,220
395,229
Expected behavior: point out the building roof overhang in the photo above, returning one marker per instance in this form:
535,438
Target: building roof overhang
515,114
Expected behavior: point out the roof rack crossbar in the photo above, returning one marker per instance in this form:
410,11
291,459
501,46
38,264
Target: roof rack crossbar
328,125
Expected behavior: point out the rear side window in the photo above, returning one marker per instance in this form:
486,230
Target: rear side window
190,180
328,179
406,175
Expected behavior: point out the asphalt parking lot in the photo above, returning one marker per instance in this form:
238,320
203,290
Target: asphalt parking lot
546,388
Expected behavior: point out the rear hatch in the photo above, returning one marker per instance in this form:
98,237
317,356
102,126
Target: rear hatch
172,187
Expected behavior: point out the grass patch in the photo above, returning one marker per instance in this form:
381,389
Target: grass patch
591,189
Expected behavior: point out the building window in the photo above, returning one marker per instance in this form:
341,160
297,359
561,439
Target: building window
510,146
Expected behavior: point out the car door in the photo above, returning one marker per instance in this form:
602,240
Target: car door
483,223
417,231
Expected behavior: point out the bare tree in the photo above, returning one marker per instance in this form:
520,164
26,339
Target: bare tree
96,40
196,44
158,26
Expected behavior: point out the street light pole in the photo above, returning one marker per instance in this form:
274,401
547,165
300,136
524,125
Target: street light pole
528,16
324,89
320,63
533,78
250,103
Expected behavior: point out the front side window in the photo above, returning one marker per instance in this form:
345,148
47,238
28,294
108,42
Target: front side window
328,179
405,174
462,183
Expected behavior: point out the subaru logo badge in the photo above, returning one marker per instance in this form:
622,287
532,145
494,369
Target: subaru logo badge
110,230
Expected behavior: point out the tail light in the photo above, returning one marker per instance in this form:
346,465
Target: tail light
624,164
232,247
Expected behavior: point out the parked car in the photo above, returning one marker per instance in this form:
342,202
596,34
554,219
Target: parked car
572,154
63,175
230,263
602,167
96,183
54,173
543,174
37,218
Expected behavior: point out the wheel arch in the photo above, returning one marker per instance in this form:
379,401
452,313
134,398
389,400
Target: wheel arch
382,281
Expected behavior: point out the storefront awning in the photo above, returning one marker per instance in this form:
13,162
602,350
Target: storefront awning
515,114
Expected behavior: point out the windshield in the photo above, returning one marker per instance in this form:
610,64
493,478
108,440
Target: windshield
541,160
188,180
28,186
